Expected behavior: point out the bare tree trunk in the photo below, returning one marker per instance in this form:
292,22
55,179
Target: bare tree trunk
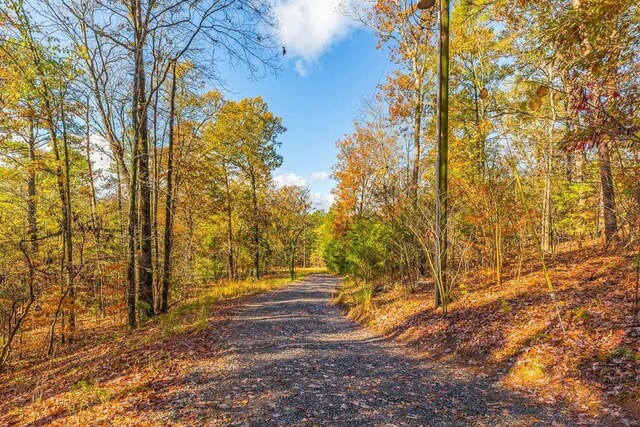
157,159
498,244
230,243
292,264
546,242
304,248
169,202
120,204
132,282
608,195
62,180
32,191
417,135
141,131
96,226
68,231
256,229
131,242
546,204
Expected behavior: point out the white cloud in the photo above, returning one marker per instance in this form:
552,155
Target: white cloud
320,176
319,200
322,201
290,179
301,68
101,160
308,27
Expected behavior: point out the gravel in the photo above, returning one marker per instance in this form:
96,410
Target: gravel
293,359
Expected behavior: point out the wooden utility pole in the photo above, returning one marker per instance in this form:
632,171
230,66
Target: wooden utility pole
441,297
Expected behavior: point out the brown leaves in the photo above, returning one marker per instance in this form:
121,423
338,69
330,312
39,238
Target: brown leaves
600,353
535,104
542,91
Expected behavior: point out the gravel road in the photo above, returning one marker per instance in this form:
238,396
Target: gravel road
293,359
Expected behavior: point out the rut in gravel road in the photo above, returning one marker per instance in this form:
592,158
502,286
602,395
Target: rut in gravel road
294,359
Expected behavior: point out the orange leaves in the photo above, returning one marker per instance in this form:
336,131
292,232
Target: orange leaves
365,162
535,104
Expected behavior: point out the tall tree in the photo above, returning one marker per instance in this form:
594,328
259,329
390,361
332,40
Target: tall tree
248,138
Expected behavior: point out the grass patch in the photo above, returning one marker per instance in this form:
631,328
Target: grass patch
528,371
193,315
505,306
354,293
579,314
85,394
622,352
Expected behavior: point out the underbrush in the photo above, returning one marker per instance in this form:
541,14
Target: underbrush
354,293
512,332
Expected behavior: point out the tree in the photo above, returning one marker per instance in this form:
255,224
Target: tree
247,136
290,210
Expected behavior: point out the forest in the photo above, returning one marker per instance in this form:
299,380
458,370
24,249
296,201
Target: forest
502,235
126,185
537,263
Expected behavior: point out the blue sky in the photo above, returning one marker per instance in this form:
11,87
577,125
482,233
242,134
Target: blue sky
330,68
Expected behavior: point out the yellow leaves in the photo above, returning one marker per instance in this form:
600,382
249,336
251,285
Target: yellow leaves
485,127
83,53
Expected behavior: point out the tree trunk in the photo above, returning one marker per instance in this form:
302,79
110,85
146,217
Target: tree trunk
169,201
68,227
63,188
256,229
546,212
292,265
141,131
230,260
546,242
498,245
132,285
417,134
608,195
32,191
96,226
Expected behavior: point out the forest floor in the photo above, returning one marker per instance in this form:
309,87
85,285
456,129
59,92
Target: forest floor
511,334
285,357
108,376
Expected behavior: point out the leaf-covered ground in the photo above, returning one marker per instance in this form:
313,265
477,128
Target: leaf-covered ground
294,360
512,332
283,358
111,377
